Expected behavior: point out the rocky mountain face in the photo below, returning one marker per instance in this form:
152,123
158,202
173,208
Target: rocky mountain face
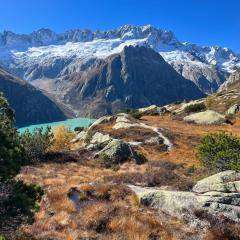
232,83
45,54
31,105
65,64
136,77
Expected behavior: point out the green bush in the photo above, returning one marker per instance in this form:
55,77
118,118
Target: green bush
197,107
220,151
37,143
11,150
20,200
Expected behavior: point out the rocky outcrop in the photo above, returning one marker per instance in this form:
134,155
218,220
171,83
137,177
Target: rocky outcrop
31,105
234,109
137,77
123,121
206,117
99,141
153,109
116,152
232,83
34,56
101,120
154,141
227,181
218,195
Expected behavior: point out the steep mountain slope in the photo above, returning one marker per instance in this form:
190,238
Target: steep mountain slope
45,55
232,83
30,104
136,77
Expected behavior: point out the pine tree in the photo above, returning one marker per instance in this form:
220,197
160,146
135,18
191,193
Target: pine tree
11,151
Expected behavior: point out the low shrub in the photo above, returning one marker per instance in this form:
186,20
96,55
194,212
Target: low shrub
209,101
140,158
115,167
18,203
62,138
197,107
104,158
36,143
219,151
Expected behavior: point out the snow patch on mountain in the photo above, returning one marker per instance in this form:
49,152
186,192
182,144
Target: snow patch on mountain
44,53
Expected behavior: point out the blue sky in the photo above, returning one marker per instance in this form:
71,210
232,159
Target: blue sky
205,22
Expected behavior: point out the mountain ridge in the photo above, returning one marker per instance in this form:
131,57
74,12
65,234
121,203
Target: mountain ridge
45,51
136,77
31,105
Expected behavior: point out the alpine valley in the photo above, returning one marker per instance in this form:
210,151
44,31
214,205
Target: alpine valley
155,154
91,74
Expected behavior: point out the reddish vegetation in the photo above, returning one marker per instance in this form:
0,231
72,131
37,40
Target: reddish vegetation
110,211
185,137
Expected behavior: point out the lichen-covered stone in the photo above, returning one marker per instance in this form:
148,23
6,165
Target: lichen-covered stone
206,117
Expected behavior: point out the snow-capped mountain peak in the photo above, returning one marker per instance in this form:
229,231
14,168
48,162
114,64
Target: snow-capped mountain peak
46,54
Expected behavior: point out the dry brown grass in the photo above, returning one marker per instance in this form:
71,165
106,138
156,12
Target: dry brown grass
185,137
112,211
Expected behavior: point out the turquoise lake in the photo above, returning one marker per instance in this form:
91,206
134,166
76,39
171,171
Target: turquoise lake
69,123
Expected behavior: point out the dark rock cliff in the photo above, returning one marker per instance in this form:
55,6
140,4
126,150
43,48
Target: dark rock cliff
136,77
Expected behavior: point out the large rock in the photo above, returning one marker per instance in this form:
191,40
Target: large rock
124,121
101,120
206,117
227,181
80,136
115,152
99,140
126,125
153,109
234,109
218,195
178,203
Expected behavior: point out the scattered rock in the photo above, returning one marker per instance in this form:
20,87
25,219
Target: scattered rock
234,109
123,117
163,110
124,121
154,141
115,152
126,125
153,109
101,120
218,195
206,117
99,140
227,181
80,136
